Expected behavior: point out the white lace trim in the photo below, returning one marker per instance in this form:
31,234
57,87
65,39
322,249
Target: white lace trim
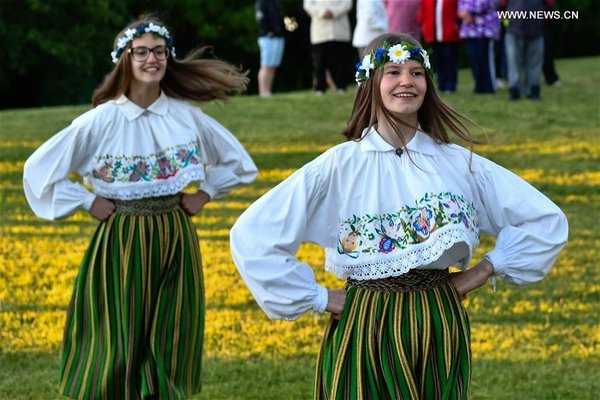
155,188
412,257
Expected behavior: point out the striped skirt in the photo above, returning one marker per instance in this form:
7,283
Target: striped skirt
136,318
397,340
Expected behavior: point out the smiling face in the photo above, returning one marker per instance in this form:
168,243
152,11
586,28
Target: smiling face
151,71
403,88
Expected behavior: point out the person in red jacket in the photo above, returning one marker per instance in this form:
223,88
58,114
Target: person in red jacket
439,26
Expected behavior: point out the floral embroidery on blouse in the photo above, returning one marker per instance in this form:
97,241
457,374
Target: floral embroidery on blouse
386,233
157,166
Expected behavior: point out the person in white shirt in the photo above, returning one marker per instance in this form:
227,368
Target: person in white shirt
135,322
394,207
330,36
371,21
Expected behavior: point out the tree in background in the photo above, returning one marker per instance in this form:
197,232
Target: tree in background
52,51
57,52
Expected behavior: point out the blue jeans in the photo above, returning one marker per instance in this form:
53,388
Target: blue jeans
524,54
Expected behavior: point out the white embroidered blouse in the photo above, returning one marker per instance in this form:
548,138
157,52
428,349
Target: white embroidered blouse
127,152
379,215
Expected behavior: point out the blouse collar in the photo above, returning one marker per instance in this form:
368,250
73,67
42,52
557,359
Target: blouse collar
133,111
421,142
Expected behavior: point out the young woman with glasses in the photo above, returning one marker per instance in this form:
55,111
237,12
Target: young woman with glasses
135,322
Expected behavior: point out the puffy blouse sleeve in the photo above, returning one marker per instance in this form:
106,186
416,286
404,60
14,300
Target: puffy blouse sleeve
266,237
531,230
228,165
48,190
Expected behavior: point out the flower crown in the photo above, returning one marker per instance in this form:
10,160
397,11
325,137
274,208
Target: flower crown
398,54
133,33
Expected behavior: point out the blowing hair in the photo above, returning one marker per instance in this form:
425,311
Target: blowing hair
434,116
193,78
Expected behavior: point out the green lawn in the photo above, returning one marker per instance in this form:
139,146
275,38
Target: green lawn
537,342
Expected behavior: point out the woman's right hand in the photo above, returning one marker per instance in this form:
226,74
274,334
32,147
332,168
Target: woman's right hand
102,208
336,302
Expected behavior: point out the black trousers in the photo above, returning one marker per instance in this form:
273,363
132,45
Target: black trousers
550,74
330,56
445,57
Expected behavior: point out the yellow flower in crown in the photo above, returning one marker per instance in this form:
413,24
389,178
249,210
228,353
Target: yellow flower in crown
398,54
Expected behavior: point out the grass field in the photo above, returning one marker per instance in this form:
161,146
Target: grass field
536,342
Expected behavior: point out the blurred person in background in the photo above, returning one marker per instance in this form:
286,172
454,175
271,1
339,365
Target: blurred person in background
403,17
330,37
371,21
524,42
479,29
271,41
440,27
549,69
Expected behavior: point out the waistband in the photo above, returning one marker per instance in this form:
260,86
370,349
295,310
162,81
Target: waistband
413,281
148,206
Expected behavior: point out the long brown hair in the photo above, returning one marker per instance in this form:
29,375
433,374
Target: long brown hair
436,118
193,78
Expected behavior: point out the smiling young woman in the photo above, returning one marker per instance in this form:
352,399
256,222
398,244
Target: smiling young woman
402,88
148,68
135,323
394,207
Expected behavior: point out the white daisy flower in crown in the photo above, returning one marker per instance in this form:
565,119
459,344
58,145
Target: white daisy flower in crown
122,42
426,62
367,65
398,54
130,33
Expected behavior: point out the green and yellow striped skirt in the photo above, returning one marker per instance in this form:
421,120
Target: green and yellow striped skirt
405,337
135,322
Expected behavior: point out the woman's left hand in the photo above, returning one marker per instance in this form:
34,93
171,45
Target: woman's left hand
472,278
193,203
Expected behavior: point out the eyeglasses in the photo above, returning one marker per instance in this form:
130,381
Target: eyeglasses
141,53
